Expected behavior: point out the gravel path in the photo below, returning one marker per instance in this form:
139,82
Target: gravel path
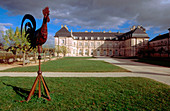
158,73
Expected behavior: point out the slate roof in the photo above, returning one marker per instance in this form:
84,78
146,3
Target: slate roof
96,34
137,32
63,32
159,37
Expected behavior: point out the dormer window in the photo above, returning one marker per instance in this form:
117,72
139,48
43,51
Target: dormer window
98,38
104,38
112,38
80,38
86,38
75,37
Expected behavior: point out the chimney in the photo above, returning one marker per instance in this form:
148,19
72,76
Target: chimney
103,31
159,34
66,27
92,31
61,26
86,31
110,31
118,32
139,27
133,27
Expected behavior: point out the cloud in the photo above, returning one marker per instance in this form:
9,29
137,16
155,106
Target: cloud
96,14
3,26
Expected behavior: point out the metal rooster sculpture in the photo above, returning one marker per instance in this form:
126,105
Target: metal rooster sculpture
37,38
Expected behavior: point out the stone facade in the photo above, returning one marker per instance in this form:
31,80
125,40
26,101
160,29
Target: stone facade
102,43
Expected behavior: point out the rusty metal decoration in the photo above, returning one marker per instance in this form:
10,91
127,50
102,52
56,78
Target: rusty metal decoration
37,38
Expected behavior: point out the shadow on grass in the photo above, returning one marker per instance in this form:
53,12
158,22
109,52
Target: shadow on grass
23,92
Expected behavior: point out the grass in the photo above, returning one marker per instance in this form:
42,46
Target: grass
155,61
126,93
71,64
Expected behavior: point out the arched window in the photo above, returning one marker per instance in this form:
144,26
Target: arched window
86,52
80,51
92,52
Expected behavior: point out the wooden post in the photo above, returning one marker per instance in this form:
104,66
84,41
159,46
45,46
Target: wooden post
39,78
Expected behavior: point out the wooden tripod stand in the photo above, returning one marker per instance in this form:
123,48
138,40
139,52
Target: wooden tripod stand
38,80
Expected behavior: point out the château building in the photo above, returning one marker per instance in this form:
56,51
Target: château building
102,43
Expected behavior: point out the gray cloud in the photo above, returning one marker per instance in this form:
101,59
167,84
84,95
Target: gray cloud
97,14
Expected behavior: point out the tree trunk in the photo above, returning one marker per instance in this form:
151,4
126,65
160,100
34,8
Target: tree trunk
35,57
44,56
50,56
23,59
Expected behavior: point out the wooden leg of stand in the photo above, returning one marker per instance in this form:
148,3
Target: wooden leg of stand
39,90
32,89
46,84
45,88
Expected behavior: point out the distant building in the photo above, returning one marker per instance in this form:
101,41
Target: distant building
161,45
102,43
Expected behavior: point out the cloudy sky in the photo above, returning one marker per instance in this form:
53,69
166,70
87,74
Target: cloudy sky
96,15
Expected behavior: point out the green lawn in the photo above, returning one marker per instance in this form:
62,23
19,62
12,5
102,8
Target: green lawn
128,93
71,64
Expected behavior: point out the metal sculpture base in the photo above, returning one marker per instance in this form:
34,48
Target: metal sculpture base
38,80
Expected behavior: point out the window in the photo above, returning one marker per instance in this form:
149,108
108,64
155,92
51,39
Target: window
74,51
92,52
86,52
86,43
116,44
86,38
80,44
98,38
110,44
80,51
80,38
92,43
74,44
75,37
140,43
62,41
98,43
111,38
92,38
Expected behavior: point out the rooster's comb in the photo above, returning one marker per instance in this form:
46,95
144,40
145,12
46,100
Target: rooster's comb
46,11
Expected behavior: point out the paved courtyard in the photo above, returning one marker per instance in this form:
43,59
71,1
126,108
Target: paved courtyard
158,73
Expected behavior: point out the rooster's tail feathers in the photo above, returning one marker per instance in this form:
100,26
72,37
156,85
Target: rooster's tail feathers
31,18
